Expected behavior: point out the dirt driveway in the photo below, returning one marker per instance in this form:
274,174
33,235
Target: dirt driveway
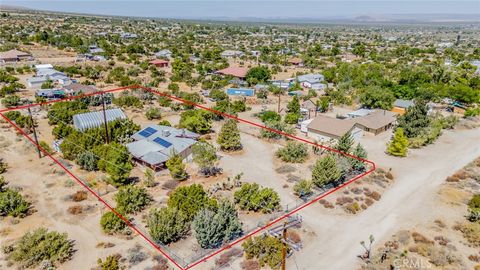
412,200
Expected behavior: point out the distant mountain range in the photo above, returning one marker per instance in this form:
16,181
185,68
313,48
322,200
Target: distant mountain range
363,18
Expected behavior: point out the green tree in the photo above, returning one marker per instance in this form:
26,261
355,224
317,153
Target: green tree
345,143
325,171
190,199
254,198
398,146
176,167
258,75
377,98
358,165
268,116
293,152
415,120
212,229
293,108
205,155
47,85
111,223
41,245
167,224
229,136
198,121
131,199
117,163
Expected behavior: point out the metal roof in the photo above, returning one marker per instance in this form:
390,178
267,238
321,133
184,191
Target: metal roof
402,103
155,144
88,120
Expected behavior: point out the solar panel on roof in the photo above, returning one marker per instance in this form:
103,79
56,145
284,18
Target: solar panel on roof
147,132
162,142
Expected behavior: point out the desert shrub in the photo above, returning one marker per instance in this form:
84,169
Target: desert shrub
111,223
11,202
127,101
373,194
278,126
268,250
190,200
87,161
268,116
112,262
136,255
471,232
46,147
254,198
42,245
79,196
294,237
75,210
344,200
303,188
167,224
227,256
165,123
474,202
293,152
153,113
352,208
250,265
472,112
419,238
3,166
131,199
170,184
176,167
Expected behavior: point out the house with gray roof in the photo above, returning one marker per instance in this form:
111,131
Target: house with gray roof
155,144
84,121
163,54
36,82
312,80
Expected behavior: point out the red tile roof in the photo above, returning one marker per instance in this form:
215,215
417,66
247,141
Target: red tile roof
158,62
238,72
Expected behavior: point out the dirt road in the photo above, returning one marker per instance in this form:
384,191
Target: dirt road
409,202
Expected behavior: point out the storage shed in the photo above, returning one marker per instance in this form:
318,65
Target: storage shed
84,121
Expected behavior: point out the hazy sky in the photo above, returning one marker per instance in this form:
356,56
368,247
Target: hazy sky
251,8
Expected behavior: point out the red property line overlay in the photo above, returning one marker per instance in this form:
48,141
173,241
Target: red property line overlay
153,244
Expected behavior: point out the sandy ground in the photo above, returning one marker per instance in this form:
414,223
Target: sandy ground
47,188
409,202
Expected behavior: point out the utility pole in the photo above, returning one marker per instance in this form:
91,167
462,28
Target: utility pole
284,248
105,118
34,133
